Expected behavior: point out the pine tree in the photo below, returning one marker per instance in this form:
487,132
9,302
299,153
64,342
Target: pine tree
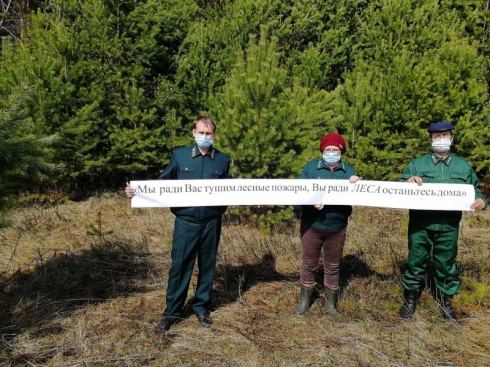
101,74
269,123
414,65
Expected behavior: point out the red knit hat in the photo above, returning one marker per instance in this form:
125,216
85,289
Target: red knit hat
335,140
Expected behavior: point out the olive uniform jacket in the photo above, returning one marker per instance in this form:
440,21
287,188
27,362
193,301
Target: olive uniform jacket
434,169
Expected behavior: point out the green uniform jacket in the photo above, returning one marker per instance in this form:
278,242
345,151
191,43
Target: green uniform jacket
331,216
188,163
433,169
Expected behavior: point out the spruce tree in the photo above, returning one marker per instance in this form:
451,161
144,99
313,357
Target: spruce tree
25,157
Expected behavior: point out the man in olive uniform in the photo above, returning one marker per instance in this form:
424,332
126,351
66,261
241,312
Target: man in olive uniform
435,231
197,230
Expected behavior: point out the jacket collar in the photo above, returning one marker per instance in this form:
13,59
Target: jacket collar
446,160
322,165
196,152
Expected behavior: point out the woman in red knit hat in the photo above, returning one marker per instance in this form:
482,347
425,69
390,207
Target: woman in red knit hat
323,227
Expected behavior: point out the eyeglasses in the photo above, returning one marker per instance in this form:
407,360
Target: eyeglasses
331,151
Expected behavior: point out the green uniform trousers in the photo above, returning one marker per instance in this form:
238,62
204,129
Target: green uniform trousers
444,248
190,241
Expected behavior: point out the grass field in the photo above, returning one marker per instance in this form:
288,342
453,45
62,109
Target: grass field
83,284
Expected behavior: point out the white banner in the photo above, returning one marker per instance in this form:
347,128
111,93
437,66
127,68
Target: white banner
382,194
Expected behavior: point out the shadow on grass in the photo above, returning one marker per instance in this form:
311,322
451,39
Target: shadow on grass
231,282
68,281
352,266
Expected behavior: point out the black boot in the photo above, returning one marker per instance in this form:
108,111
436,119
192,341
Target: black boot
331,300
304,300
446,305
409,304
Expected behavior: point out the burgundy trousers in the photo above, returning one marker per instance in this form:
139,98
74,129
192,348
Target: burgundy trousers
313,241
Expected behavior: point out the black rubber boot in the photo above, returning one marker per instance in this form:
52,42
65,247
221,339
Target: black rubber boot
305,298
331,301
446,305
409,304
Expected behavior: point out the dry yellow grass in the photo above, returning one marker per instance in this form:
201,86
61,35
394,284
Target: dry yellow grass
83,284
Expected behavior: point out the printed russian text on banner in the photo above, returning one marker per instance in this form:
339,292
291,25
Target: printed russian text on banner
383,194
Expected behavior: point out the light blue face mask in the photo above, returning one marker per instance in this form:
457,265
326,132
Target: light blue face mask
203,141
441,145
331,158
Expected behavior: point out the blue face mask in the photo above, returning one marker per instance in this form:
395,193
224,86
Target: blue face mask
331,158
203,141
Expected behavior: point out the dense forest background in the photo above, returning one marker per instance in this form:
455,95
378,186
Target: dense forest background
96,92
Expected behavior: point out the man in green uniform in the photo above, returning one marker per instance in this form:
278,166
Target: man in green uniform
197,230
432,231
